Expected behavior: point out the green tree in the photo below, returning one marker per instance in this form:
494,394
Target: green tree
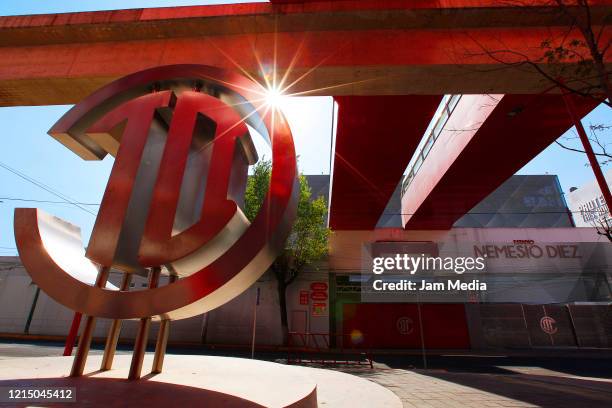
307,242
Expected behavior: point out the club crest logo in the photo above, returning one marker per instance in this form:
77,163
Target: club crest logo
548,325
404,325
182,141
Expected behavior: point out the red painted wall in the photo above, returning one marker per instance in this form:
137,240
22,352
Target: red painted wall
393,325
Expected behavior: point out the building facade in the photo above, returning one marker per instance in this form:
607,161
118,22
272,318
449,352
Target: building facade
569,308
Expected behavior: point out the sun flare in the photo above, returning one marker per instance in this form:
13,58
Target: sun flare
274,97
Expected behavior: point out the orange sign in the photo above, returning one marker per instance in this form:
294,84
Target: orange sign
303,297
318,286
318,295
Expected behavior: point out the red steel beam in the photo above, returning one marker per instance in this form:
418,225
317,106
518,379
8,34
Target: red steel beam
289,7
356,4
486,140
327,48
375,139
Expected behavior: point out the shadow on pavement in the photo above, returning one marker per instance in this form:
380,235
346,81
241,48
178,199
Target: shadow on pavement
109,392
584,367
539,390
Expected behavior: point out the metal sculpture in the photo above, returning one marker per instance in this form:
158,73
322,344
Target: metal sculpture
182,149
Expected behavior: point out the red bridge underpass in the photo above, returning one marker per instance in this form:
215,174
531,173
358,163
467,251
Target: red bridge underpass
375,139
486,140
387,63
353,47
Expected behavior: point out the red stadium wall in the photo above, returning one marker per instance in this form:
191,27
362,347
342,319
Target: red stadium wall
396,326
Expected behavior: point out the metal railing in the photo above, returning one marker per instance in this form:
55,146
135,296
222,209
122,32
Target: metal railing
449,105
316,348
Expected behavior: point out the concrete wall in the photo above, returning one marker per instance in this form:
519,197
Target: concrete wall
230,324
16,295
50,318
508,326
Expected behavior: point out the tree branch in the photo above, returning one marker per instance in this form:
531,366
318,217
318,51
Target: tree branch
579,16
582,151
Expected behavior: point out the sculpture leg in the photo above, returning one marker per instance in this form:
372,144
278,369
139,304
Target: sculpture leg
80,358
140,346
162,340
113,332
160,346
72,334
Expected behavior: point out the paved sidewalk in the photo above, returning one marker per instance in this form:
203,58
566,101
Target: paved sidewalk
570,380
531,388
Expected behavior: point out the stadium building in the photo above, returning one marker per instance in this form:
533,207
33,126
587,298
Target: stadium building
326,298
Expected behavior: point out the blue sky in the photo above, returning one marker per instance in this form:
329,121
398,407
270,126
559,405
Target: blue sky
10,8
27,147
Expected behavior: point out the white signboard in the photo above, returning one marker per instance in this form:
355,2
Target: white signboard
587,204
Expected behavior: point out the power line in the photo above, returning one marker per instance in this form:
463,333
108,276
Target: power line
31,200
365,212
46,188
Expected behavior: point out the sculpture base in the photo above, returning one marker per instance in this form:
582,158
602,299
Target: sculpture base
198,381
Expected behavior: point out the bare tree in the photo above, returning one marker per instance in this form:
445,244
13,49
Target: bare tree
603,226
574,62
579,14
602,148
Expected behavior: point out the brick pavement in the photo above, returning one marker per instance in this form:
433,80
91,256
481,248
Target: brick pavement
503,386
531,387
